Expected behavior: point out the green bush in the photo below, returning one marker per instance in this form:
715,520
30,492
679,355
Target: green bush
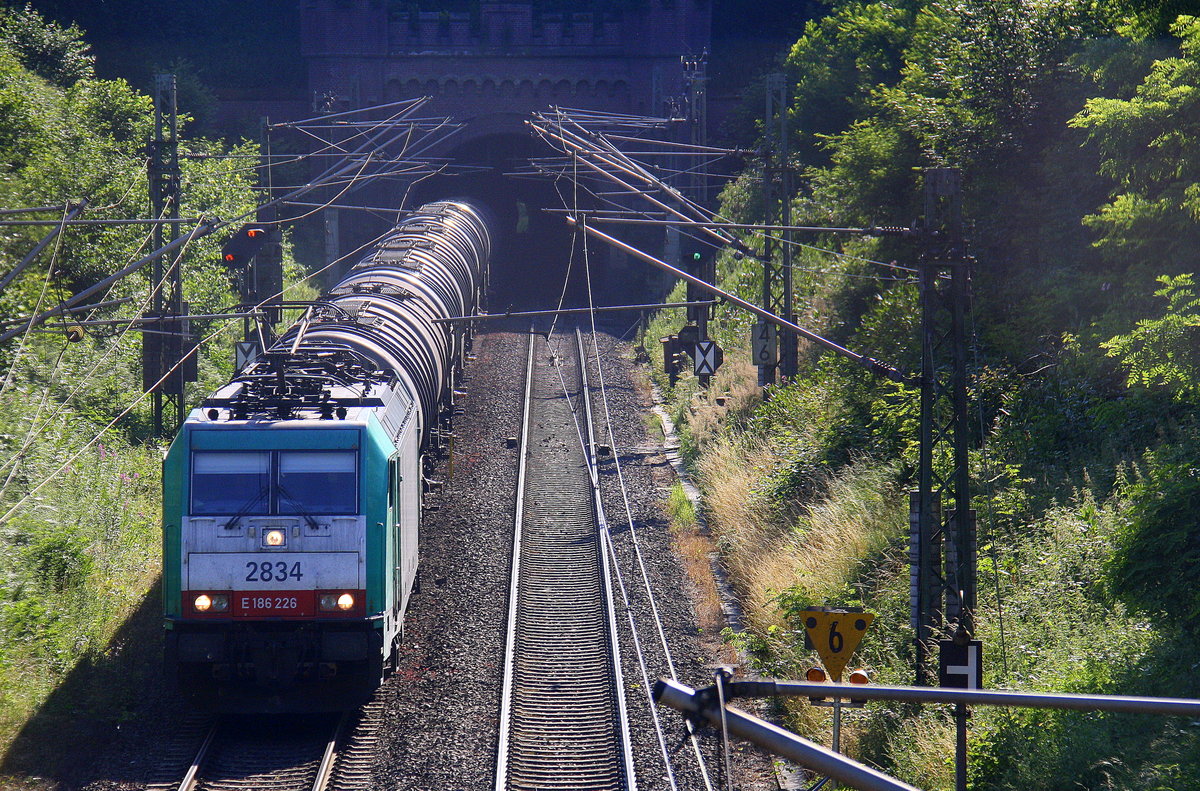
1156,565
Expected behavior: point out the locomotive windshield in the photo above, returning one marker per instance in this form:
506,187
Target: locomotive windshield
316,483
279,482
229,483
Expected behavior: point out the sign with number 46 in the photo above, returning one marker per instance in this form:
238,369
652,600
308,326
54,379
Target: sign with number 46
764,342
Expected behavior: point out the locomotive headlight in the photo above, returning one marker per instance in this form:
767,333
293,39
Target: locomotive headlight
217,602
333,602
274,538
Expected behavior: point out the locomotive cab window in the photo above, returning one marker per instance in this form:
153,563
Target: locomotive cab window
279,482
230,483
317,483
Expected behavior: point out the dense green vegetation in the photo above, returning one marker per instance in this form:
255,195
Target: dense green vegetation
79,471
1075,125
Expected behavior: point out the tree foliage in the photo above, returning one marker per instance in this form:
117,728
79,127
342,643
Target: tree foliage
78,538
1165,350
1076,124
56,54
1148,145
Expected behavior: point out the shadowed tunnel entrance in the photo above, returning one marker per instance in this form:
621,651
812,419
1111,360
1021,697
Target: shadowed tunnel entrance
533,263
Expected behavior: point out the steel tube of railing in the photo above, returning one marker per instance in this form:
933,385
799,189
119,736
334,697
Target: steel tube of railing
777,740
1182,707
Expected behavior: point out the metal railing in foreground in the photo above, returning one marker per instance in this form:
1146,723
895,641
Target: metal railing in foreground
706,703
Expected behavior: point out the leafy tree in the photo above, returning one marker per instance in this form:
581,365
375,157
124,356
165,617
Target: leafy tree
1149,145
57,54
1157,563
1165,350
838,64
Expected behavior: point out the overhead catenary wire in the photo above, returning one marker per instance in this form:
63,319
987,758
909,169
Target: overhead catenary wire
204,228
632,532
605,151
606,537
697,218
656,617
183,358
70,212
35,431
9,376
180,243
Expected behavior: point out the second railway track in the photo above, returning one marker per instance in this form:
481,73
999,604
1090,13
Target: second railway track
563,720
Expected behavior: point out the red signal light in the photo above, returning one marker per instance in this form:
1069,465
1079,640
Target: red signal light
243,245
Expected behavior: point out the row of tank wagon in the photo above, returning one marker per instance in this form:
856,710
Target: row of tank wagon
292,496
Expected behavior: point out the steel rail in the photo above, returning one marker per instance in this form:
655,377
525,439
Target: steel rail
513,583
604,545
564,722
308,773
193,772
325,770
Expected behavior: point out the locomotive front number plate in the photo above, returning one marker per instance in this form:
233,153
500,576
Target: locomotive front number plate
273,571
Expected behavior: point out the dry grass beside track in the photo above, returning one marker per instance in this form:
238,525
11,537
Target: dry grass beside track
815,551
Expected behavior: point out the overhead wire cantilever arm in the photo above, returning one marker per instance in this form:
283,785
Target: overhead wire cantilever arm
73,211
204,228
576,145
875,366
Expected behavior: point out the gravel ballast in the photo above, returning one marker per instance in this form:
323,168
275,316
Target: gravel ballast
441,729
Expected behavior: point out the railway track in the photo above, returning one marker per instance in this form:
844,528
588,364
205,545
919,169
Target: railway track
563,723
266,754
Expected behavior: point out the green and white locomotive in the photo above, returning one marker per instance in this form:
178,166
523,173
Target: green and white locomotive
292,496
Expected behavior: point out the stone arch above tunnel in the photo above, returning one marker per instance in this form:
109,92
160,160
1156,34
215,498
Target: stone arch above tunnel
506,57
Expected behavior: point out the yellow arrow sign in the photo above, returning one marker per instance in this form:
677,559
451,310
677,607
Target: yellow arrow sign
836,635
